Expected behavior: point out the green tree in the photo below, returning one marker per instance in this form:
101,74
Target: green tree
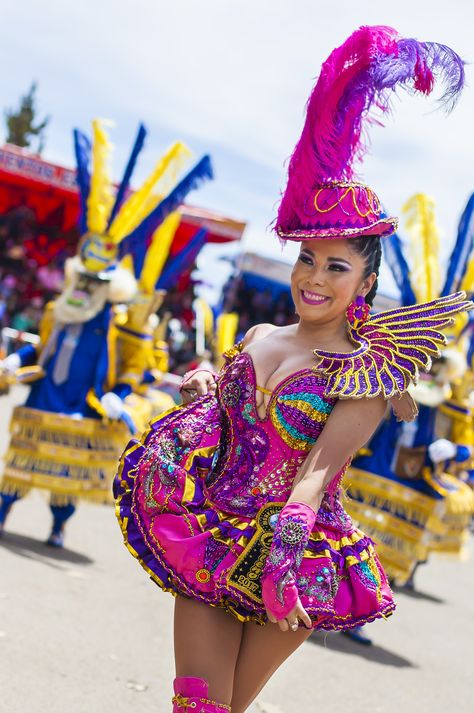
21,127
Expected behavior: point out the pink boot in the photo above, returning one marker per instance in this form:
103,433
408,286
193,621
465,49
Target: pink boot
191,694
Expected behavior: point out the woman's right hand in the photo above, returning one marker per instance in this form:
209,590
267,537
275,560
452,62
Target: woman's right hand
197,383
291,621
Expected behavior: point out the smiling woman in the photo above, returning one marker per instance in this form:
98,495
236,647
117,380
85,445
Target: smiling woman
332,273
232,501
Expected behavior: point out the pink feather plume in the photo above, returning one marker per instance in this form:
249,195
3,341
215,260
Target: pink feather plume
358,76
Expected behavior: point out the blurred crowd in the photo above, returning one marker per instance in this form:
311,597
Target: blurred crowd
31,268
32,260
257,306
177,314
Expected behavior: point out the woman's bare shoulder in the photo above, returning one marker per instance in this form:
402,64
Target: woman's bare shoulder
257,332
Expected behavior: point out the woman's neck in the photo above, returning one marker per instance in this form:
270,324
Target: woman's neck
326,335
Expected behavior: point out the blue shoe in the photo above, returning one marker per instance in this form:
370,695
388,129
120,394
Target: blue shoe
61,514
56,539
6,502
357,635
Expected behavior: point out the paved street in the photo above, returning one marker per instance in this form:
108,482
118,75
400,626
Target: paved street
84,631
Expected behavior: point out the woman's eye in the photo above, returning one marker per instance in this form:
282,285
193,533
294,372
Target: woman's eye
304,258
337,268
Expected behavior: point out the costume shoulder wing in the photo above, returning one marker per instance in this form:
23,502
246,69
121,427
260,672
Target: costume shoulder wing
391,349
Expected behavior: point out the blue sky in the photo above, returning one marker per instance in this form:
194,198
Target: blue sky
231,78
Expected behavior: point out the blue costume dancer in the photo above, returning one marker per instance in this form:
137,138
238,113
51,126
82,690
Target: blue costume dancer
400,489
68,435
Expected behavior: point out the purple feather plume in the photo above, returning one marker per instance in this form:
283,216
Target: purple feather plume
358,77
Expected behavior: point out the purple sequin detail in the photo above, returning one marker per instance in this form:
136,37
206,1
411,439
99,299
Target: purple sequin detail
252,467
322,584
385,359
286,554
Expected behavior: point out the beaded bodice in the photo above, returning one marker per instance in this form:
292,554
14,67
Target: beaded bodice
258,458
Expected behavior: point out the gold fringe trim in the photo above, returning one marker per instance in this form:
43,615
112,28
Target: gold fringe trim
456,502
55,438
9,488
18,481
61,455
48,468
65,424
61,500
403,537
452,544
389,495
397,569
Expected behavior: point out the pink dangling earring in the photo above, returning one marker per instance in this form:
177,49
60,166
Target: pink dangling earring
358,312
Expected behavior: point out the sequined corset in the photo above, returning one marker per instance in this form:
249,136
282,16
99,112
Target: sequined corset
258,458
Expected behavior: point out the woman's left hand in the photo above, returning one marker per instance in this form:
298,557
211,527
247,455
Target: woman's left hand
291,622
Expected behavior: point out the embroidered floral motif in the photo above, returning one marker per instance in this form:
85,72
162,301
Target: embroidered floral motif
370,576
161,460
322,584
332,514
238,501
248,413
293,531
231,394
287,550
214,554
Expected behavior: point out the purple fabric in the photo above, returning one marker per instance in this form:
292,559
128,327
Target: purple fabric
191,492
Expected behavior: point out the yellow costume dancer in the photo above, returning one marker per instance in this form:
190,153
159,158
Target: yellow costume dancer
399,488
67,436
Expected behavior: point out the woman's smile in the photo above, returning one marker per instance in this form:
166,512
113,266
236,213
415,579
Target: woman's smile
313,298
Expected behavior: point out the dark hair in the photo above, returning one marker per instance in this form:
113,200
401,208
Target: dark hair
369,248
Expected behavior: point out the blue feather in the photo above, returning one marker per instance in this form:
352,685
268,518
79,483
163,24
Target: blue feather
138,251
461,251
180,263
470,350
393,254
82,150
137,147
133,243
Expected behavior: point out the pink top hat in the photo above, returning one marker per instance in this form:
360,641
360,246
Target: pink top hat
341,209
323,198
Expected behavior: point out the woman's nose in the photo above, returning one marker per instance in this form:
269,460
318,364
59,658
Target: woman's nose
316,276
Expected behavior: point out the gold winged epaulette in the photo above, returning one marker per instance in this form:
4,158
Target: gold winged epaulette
391,348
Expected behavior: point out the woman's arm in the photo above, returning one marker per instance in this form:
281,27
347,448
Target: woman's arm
348,428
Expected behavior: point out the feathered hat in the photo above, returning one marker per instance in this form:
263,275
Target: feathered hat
114,222
322,199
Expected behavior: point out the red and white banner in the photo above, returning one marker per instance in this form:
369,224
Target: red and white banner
21,163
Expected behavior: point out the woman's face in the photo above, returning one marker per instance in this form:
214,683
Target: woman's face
327,276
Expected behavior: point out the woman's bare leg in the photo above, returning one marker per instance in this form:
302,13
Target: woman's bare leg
206,645
262,651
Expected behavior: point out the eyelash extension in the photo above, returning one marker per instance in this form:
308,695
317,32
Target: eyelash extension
338,268
334,266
